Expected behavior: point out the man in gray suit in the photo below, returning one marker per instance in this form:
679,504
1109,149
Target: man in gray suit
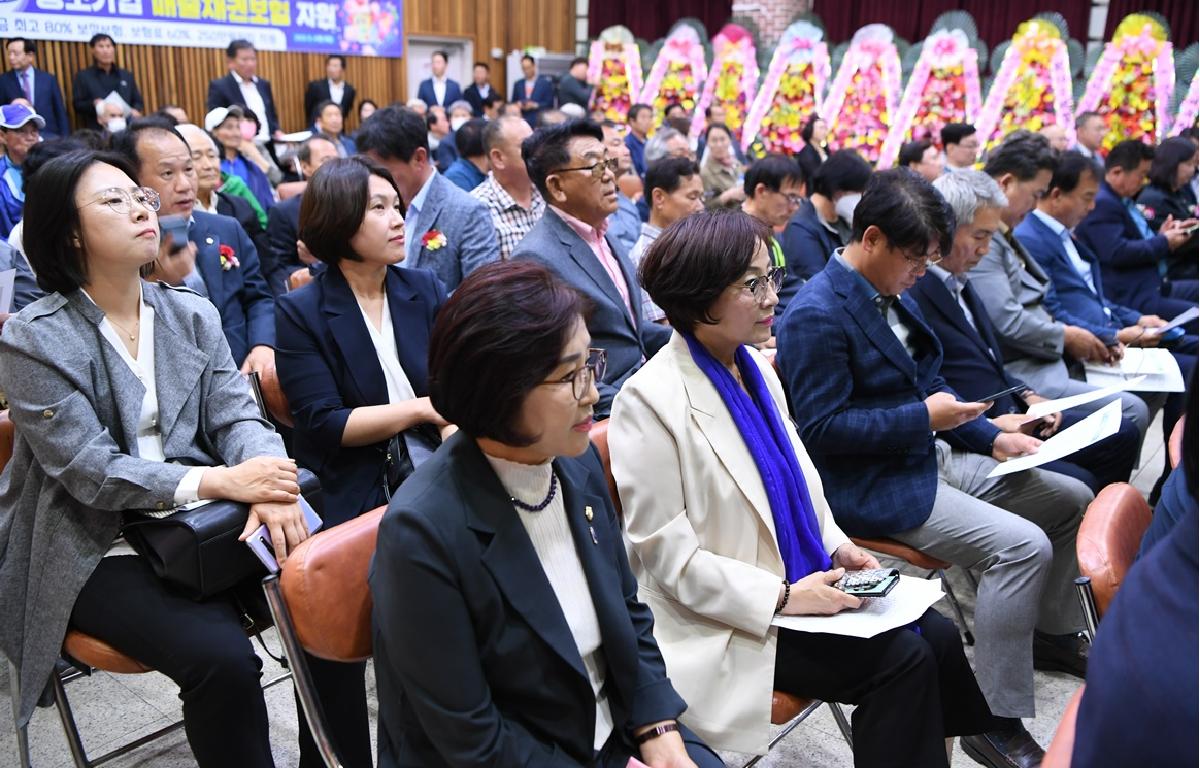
576,175
446,230
1013,288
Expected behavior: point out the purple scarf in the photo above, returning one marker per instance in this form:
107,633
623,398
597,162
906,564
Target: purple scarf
767,439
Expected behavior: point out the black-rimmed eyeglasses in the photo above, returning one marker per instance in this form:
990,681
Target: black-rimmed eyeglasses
758,285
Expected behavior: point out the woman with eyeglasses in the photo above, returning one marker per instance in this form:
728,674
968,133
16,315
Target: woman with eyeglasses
728,525
127,403
507,625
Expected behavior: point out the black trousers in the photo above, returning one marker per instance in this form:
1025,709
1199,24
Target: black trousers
201,646
913,689
342,691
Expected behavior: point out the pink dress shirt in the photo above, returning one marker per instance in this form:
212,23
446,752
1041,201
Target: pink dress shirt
595,240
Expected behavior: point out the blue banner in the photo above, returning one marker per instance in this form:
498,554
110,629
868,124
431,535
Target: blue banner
352,27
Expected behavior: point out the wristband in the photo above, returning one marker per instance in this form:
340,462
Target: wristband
655,732
787,594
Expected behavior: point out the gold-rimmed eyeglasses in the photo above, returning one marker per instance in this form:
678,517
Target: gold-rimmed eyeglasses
582,377
597,170
121,200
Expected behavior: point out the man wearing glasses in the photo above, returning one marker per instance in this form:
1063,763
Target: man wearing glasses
576,175
902,457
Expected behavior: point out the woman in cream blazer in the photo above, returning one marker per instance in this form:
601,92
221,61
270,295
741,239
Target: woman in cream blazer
702,534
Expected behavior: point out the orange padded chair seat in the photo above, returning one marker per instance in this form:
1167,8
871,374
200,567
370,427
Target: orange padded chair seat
785,707
599,436
1059,753
1175,443
324,582
903,552
8,433
1109,538
276,401
100,655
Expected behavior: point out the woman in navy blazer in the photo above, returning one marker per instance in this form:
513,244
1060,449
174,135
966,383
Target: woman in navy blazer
507,628
344,386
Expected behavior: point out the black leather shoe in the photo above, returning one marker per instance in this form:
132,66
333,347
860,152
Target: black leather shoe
1012,747
1060,653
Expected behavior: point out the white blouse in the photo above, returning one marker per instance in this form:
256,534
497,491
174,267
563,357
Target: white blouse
555,548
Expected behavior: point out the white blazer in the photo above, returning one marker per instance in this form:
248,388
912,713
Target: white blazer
702,543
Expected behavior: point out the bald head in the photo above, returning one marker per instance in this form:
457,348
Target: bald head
502,139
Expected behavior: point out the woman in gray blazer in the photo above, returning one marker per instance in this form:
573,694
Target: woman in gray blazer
127,402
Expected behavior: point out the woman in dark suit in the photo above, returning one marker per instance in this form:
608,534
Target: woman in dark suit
813,153
127,403
351,351
507,625
1169,193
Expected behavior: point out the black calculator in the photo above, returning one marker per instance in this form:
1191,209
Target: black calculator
874,582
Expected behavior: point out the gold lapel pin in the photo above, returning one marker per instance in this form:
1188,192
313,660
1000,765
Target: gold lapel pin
587,512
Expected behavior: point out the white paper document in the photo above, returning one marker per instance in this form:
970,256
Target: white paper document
1094,428
906,603
1047,407
8,279
1180,319
1160,369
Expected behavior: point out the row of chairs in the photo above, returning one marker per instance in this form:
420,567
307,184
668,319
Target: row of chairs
321,604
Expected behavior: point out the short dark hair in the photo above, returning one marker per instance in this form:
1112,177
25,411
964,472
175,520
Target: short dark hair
844,171
98,37
334,204
337,56
126,142
954,133
365,102
717,127
468,139
1128,155
636,110
807,131
695,259
668,173
231,51
679,123
1023,154
445,56
393,132
546,150
913,152
672,105
247,114
492,99
51,228
907,209
1083,117
1164,169
483,64
529,58
773,171
26,45
327,103
497,338
1070,172
575,61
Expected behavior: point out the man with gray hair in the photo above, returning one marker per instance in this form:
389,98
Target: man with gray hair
668,142
973,363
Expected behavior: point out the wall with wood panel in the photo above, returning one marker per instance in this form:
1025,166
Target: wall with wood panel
181,75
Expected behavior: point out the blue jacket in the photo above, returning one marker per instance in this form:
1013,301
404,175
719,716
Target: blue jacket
426,93
858,400
971,357
328,366
240,293
543,94
475,662
471,239
807,247
465,175
1129,261
1069,299
47,100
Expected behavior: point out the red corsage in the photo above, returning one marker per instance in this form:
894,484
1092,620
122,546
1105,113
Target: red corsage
228,258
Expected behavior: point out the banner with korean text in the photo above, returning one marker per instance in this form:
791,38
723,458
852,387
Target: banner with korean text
354,27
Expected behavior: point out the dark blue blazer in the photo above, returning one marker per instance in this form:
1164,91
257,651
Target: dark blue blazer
543,94
426,93
475,662
47,99
327,367
224,92
282,258
240,294
1069,299
1129,262
807,247
858,399
972,362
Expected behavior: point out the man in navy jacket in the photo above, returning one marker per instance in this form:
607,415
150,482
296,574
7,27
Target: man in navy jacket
39,88
1132,257
244,88
439,90
533,92
901,456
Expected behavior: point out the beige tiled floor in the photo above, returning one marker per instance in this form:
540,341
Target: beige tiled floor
113,709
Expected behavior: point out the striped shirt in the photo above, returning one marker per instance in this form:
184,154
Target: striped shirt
512,222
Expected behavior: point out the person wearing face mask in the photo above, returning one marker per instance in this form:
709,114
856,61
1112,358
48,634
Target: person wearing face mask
93,84
111,117
460,112
823,223
329,124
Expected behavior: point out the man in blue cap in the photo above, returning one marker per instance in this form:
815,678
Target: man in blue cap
20,129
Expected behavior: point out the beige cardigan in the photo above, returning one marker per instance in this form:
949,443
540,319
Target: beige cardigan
702,541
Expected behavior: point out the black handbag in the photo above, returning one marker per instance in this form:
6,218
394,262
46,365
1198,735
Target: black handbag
197,550
397,464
